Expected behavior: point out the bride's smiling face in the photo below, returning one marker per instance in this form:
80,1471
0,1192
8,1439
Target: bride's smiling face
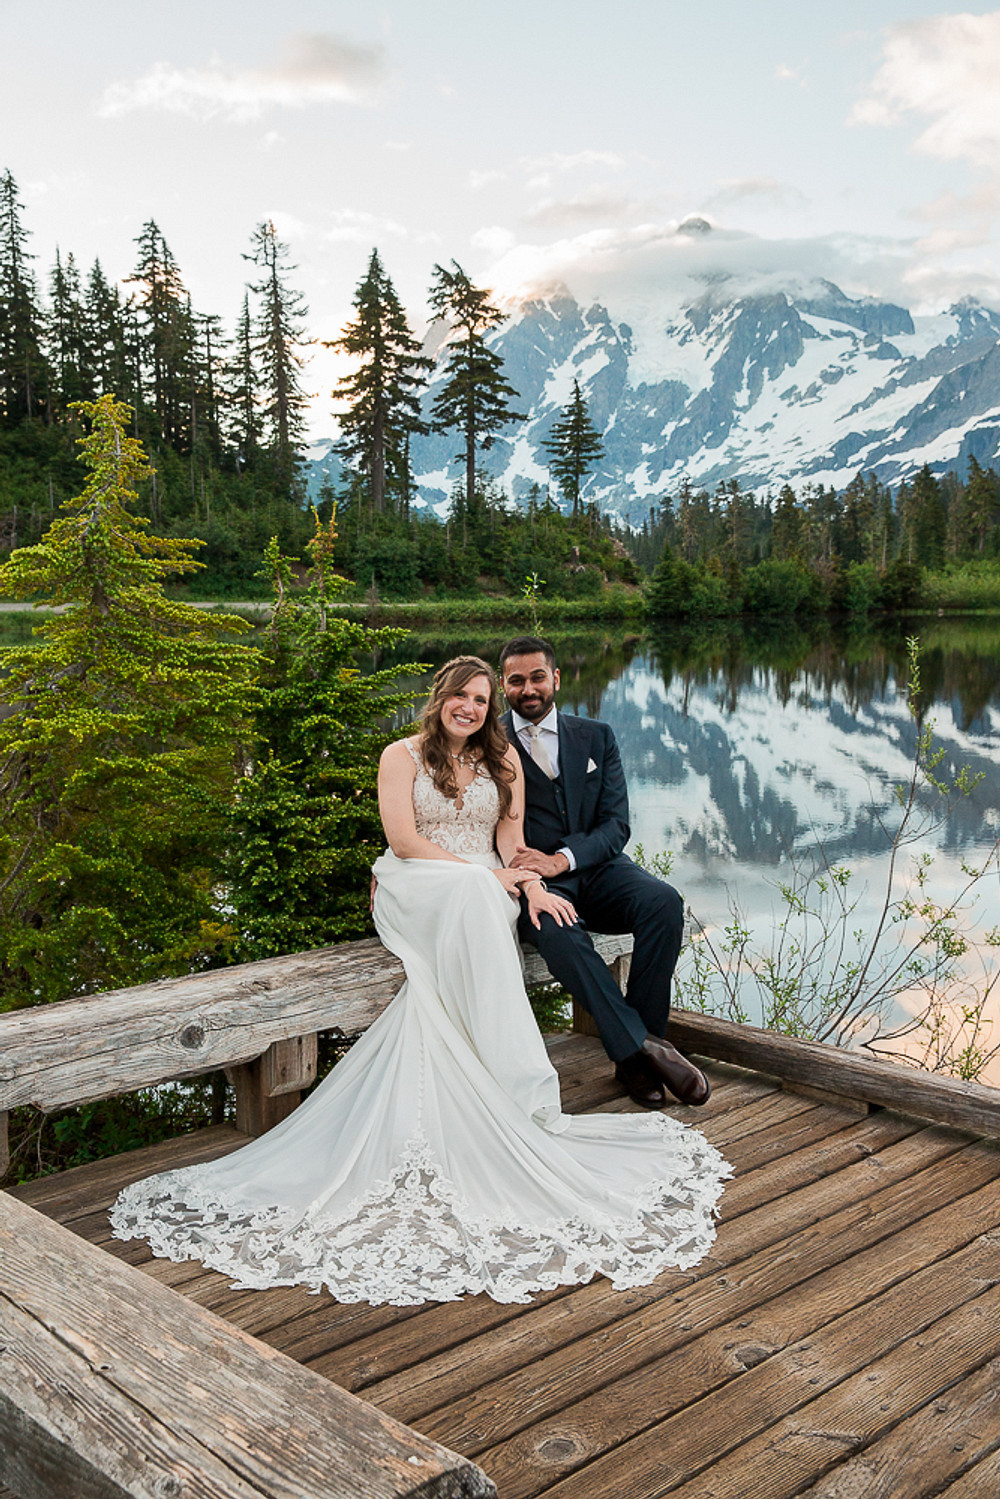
463,712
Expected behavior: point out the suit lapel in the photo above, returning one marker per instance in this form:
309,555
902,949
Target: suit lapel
571,768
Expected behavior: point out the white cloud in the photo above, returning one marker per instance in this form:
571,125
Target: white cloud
767,190
494,239
944,68
312,68
482,178
354,226
653,263
584,208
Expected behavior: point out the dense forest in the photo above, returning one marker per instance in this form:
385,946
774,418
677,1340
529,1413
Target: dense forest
221,413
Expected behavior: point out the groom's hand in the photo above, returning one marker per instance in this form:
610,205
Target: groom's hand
547,865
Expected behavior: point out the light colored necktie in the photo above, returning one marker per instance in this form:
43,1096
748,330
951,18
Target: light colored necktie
539,753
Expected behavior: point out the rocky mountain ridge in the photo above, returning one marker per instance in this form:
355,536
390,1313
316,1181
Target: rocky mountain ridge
797,383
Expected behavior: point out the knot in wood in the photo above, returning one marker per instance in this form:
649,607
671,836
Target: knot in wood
558,1449
192,1036
753,1354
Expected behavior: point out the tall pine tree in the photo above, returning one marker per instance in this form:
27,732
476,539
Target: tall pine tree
279,334
22,364
573,446
475,397
382,395
166,334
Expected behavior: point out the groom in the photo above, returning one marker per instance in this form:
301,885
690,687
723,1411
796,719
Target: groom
575,828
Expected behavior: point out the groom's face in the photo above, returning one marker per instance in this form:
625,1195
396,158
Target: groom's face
530,685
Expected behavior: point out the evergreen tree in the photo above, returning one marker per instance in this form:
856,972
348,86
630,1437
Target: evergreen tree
980,507
382,395
118,746
166,334
786,526
574,446
306,828
925,523
243,403
70,361
22,364
857,519
475,396
279,335
108,361
734,514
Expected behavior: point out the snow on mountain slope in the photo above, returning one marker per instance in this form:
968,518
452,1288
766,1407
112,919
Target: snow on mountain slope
795,382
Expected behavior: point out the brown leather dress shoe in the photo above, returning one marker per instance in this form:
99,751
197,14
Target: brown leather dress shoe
640,1081
682,1077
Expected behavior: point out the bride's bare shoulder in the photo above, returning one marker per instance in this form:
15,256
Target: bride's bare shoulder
400,754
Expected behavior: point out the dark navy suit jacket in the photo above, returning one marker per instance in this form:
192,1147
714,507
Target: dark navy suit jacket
596,798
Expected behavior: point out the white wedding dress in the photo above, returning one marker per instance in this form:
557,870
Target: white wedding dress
435,1160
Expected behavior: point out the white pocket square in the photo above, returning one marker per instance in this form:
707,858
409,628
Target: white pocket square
591,765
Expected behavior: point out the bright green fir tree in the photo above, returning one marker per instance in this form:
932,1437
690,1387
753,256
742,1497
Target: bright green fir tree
123,727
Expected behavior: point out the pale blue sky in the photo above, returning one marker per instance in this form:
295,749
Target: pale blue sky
517,139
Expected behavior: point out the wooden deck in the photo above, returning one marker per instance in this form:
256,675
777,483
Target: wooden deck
842,1340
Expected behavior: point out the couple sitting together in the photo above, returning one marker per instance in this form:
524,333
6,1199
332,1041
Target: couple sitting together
435,1159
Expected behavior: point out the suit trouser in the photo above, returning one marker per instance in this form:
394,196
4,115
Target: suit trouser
614,897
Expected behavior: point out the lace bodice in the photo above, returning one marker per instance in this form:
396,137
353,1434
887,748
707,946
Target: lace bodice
465,827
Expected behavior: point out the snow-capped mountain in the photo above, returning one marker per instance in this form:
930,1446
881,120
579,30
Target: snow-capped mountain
795,382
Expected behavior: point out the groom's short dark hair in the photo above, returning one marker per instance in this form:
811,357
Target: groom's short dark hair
528,645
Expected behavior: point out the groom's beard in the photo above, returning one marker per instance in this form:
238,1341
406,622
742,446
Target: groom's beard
538,703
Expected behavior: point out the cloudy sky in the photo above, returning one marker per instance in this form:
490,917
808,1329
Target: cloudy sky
529,141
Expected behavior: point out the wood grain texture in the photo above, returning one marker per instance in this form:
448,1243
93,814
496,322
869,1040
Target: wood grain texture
85,1049
826,1433
970,1106
722,1387
837,1216
715,1392
145,1393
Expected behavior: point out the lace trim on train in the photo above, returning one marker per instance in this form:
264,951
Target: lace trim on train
411,1239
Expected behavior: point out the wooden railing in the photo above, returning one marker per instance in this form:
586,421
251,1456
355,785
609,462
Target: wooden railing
114,1385
259,1021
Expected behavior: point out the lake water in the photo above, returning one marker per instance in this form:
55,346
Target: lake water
753,751
750,751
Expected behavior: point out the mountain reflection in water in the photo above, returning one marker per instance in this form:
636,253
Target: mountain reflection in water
746,747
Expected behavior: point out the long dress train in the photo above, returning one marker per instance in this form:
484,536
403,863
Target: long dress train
435,1160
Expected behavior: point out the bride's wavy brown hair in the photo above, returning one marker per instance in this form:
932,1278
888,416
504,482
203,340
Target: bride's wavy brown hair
489,742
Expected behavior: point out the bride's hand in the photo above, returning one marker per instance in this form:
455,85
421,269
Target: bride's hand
562,911
511,880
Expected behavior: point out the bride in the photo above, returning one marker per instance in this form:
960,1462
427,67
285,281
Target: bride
435,1159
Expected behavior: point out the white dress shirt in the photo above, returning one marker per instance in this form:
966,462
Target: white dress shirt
549,738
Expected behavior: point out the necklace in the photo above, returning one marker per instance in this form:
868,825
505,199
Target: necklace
460,757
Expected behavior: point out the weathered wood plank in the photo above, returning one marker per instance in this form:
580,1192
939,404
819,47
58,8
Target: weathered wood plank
715,1392
146,1389
549,1382
982,1478
80,1189
928,1448
464,1383
946,1100
86,1049
824,1095
826,1432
